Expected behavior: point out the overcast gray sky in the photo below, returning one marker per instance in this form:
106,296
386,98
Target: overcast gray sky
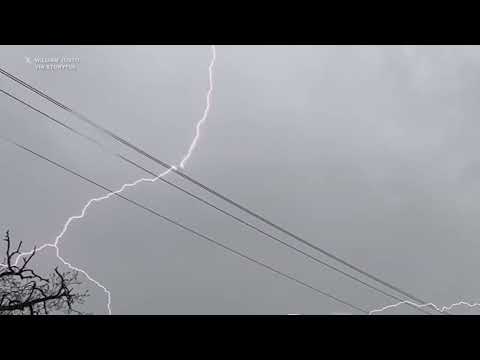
370,152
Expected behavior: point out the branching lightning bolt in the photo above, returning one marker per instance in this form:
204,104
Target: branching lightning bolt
182,163
205,112
185,158
441,309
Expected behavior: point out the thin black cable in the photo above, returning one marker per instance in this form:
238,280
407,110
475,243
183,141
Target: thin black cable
215,207
214,192
250,212
58,122
184,227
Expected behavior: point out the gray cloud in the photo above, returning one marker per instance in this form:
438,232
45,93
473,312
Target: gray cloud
369,152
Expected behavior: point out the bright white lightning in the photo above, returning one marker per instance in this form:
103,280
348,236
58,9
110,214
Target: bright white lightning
442,309
205,112
124,187
182,165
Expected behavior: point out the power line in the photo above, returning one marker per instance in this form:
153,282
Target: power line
241,221
58,122
212,191
186,228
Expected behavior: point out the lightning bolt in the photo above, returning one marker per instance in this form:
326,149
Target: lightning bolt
83,213
442,309
183,161
205,112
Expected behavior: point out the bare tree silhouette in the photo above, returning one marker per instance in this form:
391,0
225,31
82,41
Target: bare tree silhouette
24,292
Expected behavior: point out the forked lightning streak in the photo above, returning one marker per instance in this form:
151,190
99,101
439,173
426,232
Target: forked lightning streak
185,158
182,163
441,309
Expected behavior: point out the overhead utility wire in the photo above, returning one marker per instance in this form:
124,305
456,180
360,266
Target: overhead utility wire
212,205
212,191
186,228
